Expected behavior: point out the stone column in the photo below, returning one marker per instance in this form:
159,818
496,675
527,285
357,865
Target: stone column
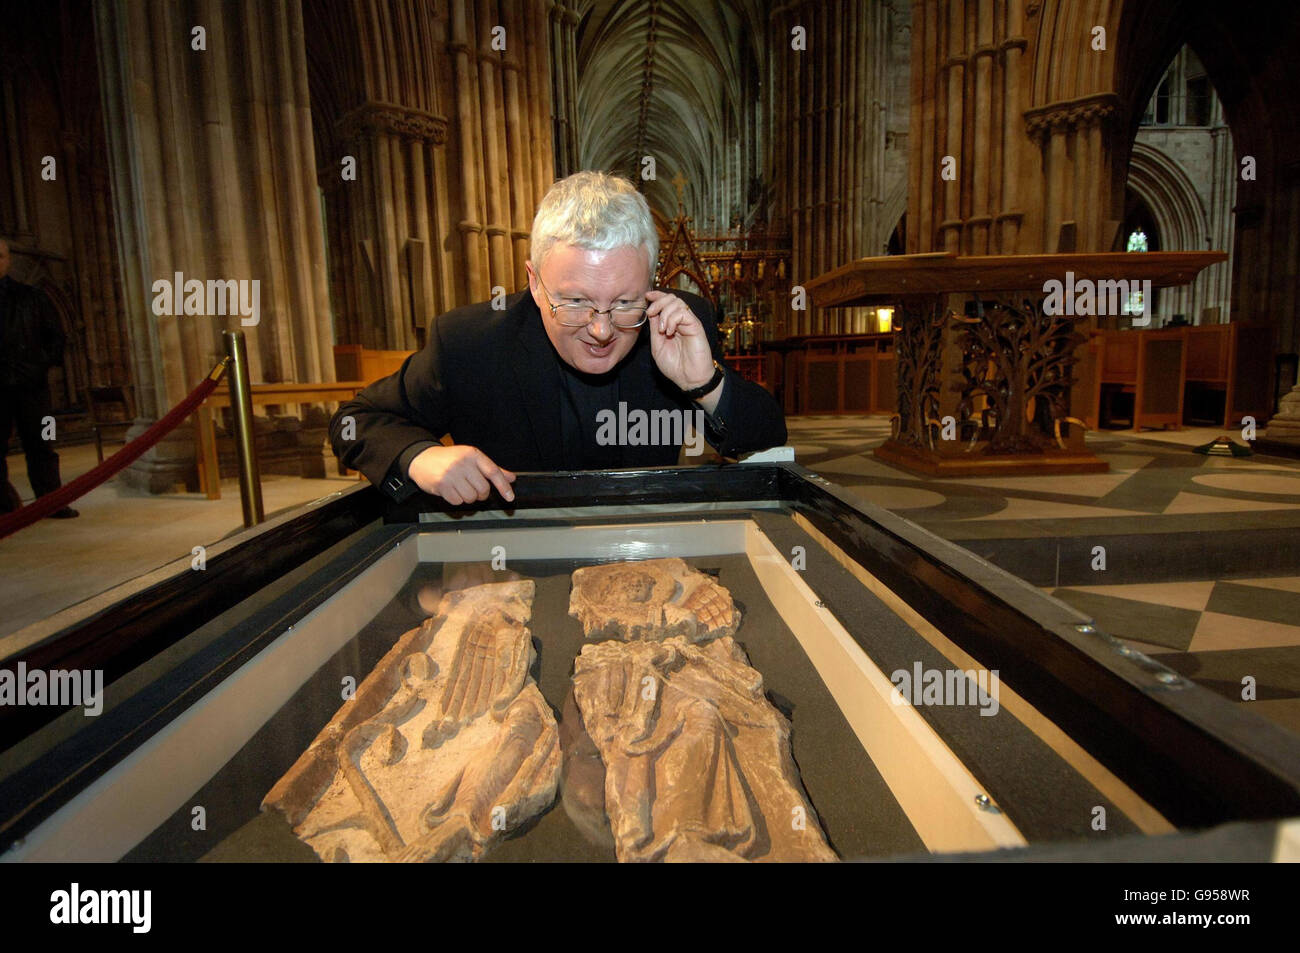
388,213
1215,282
1010,215
562,24
831,105
213,176
474,282
1285,425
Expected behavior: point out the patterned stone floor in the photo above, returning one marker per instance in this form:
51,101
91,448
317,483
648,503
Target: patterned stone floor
1217,631
1152,475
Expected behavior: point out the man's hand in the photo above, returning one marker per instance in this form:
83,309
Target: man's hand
460,474
677,341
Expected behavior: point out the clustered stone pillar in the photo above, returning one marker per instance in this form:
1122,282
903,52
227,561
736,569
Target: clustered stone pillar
107,341
383,219
1008,149
213,176
1214,284
504,166
452,143
564,85
980,144
833,143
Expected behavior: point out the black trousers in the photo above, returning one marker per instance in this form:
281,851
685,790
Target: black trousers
26,407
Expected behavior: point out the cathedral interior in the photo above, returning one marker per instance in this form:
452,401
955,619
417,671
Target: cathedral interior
812,166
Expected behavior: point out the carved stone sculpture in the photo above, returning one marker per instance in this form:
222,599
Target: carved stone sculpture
447,745
651,599
697,761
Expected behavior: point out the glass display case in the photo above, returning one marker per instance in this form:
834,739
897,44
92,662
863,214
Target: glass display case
937,704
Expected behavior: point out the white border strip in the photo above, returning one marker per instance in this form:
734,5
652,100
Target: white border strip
934,789
129,801
632,541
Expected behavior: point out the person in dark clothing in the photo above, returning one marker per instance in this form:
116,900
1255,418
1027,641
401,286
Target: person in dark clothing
31,342
590,368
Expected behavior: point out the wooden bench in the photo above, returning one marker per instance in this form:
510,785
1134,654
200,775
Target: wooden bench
1150,365
1160,367
352,362
1235,359
355,367
834,374
261,396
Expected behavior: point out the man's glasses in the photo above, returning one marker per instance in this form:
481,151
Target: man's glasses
580,315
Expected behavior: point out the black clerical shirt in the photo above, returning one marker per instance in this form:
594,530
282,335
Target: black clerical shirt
585,396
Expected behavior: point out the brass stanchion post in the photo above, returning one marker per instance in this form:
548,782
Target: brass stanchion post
241,404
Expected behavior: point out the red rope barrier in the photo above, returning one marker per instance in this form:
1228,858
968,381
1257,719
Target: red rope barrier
43,506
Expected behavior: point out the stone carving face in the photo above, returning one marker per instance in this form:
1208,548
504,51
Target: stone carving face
651,599
622,585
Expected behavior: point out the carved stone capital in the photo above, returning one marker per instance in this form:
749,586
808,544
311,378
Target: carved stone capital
563,14
1071,115
376,118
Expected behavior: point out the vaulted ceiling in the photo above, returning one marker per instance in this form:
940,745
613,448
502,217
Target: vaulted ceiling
682,81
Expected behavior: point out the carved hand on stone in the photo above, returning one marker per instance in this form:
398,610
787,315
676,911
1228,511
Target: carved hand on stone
446,747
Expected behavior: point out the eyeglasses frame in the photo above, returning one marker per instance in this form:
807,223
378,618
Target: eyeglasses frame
594,311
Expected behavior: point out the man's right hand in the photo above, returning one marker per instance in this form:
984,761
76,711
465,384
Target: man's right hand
460,474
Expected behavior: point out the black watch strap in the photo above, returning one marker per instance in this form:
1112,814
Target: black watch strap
719,372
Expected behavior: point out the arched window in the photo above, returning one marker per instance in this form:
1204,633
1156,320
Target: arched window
1164,102
1137,241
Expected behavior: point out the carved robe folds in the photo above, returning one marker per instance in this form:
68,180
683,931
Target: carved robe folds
447,746
697,761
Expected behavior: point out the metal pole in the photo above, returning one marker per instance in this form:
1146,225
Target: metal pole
241,404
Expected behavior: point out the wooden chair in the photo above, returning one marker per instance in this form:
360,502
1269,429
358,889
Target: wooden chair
101,402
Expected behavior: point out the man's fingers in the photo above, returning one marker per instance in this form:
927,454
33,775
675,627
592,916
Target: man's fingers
503,485
464,489
497,475
478,486
448,493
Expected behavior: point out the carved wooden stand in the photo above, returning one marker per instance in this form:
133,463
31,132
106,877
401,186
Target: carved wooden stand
1013,362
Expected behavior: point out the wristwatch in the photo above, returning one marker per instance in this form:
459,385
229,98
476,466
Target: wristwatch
719,372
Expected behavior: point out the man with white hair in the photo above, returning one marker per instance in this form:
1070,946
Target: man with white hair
539,384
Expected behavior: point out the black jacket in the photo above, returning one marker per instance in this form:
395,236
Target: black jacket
491,379
31,341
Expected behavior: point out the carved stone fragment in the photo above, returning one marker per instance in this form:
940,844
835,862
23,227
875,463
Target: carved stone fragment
697,761
447,745
651,599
